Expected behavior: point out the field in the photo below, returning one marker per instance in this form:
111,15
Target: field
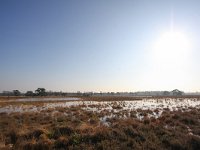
99,123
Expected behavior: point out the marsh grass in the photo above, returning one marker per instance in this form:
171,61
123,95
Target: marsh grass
77,128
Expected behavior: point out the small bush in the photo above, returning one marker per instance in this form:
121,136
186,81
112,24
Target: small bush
194,143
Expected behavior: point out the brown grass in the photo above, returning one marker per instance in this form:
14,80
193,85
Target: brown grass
75,128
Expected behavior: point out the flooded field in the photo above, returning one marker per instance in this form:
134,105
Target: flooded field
57,121
155,106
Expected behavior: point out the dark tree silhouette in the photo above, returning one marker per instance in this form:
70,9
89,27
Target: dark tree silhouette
176,92
166,93
40,92
16,93
29,93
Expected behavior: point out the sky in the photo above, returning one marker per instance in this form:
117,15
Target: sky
90,45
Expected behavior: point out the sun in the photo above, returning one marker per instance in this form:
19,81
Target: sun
171,47
170,59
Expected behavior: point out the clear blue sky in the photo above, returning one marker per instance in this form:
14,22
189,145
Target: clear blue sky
90,45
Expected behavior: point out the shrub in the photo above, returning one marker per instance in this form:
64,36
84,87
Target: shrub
60,131
13,137
194,142
61,143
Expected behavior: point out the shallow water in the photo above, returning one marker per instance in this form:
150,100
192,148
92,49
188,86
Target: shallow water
112,106
48,99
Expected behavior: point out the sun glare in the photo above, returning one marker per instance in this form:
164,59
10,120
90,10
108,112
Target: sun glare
170,59
172,47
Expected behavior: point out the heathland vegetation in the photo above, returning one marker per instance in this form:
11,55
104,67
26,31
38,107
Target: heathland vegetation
100,123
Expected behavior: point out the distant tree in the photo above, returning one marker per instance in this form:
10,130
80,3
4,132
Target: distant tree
7,93
118,93
87,94
177,92
112,93
101,93
40,92
29,93
16,92
166,93
79,93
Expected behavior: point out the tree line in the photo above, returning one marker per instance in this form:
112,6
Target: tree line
43,92
37,92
